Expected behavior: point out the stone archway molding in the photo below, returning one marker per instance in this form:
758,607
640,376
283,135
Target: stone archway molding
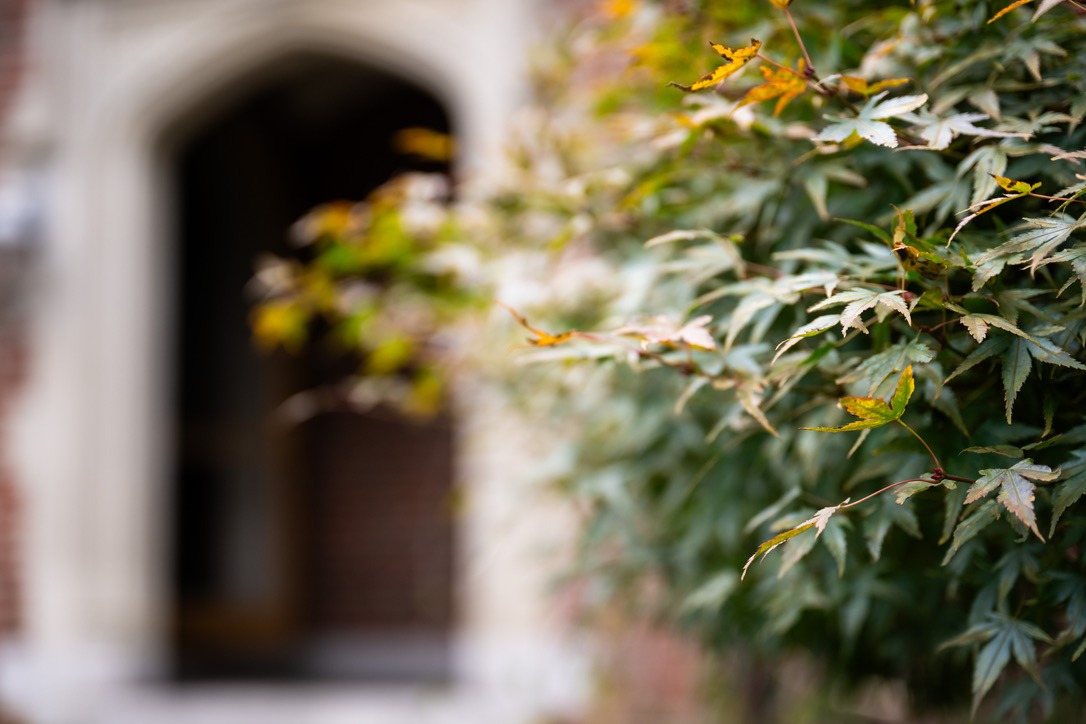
118,80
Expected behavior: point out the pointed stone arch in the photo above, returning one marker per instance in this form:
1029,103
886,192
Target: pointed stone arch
115,86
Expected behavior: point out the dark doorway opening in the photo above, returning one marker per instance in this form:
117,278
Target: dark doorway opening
323,549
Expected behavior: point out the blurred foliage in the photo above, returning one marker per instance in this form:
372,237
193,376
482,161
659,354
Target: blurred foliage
879,209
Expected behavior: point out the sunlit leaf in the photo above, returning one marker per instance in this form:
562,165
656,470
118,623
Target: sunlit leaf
280,323
663,330
736,57
903,393
1012,6
874,412
1016,187
425,143
618,9
539,338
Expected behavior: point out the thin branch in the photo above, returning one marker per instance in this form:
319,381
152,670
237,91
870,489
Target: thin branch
935,459
1056,198
802,46
891,486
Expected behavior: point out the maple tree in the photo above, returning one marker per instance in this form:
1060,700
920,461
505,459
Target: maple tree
845,216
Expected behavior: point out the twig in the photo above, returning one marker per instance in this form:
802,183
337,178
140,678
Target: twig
799,39
938,465
891,486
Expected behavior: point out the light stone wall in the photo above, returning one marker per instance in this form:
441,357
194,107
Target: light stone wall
108,78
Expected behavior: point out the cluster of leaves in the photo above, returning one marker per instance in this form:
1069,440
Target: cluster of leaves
381,279
898,238
836,210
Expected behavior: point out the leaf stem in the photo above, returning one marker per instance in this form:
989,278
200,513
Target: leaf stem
935,459
802,46
891,486
1055,198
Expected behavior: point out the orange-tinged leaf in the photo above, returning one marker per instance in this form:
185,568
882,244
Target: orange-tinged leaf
618,9
736,57
782,4
541,338
1012,6
425,143
782,83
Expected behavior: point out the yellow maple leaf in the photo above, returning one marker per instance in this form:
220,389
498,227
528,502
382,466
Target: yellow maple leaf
540,338
782,4
1016,187
783,84
280,323
1004,11
425,143
736,57
861,86
618,9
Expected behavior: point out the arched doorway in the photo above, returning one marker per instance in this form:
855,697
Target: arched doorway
323,549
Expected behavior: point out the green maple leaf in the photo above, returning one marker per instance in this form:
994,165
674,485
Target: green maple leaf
1016,492
870,122
818,521
874,412
1005,637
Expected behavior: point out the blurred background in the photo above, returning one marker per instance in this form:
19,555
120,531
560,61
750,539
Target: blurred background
169,550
